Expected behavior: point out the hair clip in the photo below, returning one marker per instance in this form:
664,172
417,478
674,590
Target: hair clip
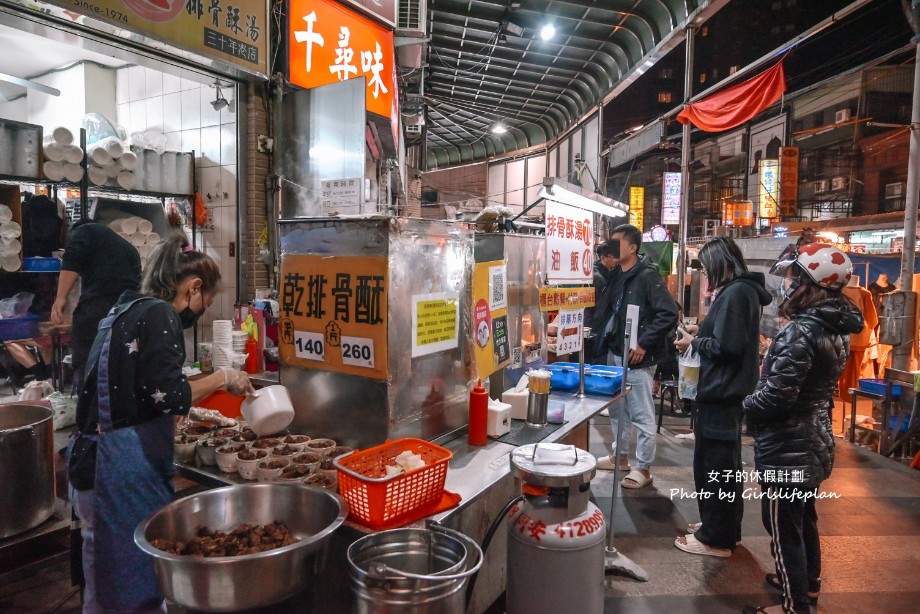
186,249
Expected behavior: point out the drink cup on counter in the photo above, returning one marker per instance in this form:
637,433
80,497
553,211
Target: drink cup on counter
205,356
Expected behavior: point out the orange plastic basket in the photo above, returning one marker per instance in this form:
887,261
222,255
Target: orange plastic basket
378,501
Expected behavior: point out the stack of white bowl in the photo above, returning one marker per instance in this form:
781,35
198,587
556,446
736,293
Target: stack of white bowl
138,232
10,246
222,343
111,162
62,157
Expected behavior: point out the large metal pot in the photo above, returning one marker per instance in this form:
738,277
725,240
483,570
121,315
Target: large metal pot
230,583
26,466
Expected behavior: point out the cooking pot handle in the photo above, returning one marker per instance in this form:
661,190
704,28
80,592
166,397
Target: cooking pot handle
25,427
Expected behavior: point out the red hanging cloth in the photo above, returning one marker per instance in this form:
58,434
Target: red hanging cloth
737,104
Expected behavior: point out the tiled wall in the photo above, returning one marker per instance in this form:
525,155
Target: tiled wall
181,109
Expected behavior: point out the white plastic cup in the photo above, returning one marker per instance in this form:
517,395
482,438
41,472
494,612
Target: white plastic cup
144,226
73,154
6,214
53,170
111,170
10,262
62,135
10,247
125,180
96,175
73,172
137,239
152,238
113,146
99,155
128,160
53,151
129,225
10,230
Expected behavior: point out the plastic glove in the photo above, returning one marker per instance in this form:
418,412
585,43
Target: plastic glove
201,414
237,383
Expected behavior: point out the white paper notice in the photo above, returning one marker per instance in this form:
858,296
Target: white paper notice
632,316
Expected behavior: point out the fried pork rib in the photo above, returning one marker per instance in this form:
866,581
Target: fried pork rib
245,539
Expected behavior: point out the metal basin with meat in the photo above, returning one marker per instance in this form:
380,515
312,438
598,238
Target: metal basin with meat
231,583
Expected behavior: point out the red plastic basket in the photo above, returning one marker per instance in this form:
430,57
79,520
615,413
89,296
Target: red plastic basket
378,501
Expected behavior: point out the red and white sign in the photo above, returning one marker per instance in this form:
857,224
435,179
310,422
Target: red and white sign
329,43
569,241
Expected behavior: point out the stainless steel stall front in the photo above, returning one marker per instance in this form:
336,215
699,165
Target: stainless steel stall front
361,380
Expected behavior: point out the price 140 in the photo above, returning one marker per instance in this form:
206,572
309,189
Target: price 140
358,351
309,346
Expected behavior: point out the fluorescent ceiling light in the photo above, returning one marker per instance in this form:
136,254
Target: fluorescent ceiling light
567,197
547,32
499,129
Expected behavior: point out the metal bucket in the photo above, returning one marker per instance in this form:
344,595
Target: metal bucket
26,467
413,571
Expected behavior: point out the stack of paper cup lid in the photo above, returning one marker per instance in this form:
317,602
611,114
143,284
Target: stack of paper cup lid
222,338
10,246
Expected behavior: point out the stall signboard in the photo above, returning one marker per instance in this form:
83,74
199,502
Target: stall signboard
233,31
569,239
328,43
670,199
636,206
769,187
789,181
435,322
553,299
334,314
490,317
738,213
570,328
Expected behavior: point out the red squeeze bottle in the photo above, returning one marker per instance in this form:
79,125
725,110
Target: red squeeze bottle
479,414
252,358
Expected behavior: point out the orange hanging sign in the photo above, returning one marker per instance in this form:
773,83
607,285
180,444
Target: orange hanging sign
329,43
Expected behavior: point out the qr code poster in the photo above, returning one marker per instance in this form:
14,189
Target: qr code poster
498,287
490,321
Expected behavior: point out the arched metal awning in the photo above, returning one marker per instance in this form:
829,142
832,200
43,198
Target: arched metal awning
487,64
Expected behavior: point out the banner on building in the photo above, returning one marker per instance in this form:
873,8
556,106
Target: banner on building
789,181
233,31
569,242
329,43
636,206
334,314
670,199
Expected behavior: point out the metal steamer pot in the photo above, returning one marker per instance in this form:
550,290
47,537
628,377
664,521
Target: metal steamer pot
26,466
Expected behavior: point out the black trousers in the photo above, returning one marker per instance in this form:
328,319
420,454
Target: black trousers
717,474
792,522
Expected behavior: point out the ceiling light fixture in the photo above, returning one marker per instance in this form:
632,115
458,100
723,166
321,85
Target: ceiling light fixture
596,203
547,32
499,129
219,102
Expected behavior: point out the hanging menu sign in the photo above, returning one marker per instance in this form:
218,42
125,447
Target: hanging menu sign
569,237
334,314
789,181
637,206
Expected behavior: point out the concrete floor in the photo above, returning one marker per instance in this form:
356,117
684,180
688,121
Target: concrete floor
870,542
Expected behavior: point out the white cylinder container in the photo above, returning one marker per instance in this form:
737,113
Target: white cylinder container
62,135
125,180
113,146
112,170
185,164
99,155
129,225
128,160
140,181
144,227
53,170
73,172
53,151
73,154
152,166
96,175
168,171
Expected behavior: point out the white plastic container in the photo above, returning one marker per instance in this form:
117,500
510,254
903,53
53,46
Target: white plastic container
269,410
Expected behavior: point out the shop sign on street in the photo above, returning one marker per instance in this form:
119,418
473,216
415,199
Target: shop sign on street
789,181
670,199
329,43
435,322
636,206
569,239
341,192
490,317
769,185
334,314
553,299
233,31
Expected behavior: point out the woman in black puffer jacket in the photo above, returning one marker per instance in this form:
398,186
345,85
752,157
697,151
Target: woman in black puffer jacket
789,413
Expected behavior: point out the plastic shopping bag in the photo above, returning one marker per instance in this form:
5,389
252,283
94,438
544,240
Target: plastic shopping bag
688,368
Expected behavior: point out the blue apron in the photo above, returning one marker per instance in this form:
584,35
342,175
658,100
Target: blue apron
133,479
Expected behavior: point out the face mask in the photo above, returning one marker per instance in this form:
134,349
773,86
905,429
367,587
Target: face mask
189,316
793,286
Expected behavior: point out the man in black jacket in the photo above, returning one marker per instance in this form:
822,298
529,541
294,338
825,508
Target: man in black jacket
636,282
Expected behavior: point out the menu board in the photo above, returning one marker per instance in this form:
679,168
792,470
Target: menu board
490,317
334,314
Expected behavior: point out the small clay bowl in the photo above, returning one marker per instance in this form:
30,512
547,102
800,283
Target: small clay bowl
321,446
248,466
311,459
270,470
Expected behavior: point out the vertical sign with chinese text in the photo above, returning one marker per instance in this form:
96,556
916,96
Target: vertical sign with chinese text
789,181
334,314
490,317
637,206
329,43
769,184
670,199
569,239
570,327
